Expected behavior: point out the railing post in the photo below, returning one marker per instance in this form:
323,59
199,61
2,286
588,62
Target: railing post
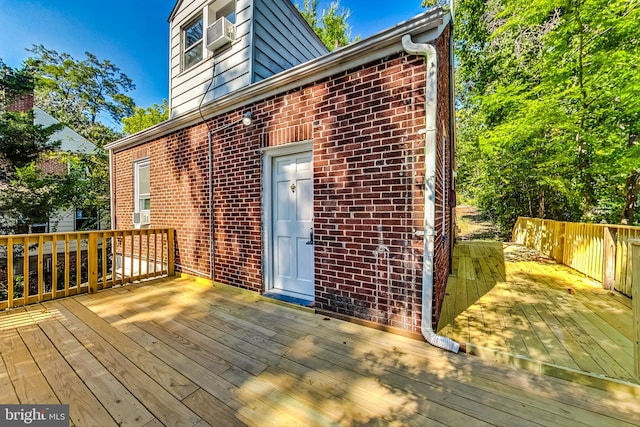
92,259
609,259
515,233
170,253
559,249
635,304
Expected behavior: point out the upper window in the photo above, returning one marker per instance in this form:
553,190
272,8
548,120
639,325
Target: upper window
142,186
193,43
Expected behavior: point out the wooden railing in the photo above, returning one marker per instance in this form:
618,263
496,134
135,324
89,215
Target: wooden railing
63,264
600,251
635,299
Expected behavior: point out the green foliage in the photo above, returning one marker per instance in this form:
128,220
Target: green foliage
331,26
144,118
79,92
34,196
22,142
436,3
83,94
27,196
15,82
549,97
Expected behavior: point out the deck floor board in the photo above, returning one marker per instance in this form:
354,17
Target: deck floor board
535,308
178,351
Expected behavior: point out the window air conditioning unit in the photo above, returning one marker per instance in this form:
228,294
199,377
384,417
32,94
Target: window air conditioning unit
220,33
141,219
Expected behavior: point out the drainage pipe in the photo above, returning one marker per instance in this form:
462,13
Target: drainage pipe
431,107
211,213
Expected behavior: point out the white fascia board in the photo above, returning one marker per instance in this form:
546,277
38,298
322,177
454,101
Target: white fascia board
424,28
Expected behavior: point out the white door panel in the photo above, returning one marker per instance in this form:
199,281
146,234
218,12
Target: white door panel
292,213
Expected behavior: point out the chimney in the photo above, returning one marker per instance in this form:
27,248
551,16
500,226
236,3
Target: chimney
25,103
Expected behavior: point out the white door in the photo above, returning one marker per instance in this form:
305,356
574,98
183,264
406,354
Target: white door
292,224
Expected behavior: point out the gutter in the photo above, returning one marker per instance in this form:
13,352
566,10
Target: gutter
431,108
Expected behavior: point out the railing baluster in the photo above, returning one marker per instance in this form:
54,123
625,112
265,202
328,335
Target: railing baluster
148,258
78,262
139,254
155,252
162,269
10,281
67,266
25,269
153,261
54,266
40,268
131,252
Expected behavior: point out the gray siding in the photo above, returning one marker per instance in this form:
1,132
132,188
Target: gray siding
232,65
271,37
282,39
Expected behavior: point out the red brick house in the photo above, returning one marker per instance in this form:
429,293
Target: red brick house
338,192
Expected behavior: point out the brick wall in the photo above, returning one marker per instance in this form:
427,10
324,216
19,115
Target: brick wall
368,147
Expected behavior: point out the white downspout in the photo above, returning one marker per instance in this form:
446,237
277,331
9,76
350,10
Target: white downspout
112,197
431,107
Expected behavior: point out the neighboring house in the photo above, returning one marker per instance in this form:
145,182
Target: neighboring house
68,221
72,219
334,192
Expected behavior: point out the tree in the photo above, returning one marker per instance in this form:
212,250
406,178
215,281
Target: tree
144,118
331,26
80,93
553,89
28,195
84,94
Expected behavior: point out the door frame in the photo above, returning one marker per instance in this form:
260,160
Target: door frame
268,155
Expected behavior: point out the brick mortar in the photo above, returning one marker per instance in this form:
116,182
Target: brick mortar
368,179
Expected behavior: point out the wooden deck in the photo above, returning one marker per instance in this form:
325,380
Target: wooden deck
180,352
506,300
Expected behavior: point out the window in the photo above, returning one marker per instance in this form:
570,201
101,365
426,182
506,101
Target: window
142,186
192,43
40,228
87,219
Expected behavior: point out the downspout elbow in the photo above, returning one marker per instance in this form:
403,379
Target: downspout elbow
431,109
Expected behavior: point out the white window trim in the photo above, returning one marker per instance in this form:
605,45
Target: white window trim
200,16
136,191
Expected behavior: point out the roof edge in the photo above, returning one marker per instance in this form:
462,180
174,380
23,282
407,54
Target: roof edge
174,10
428,26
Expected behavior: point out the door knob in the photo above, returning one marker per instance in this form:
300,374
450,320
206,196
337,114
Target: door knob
310,242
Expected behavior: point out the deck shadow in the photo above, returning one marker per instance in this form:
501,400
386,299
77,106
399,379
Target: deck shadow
536,310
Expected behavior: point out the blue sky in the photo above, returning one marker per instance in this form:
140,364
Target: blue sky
133,34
